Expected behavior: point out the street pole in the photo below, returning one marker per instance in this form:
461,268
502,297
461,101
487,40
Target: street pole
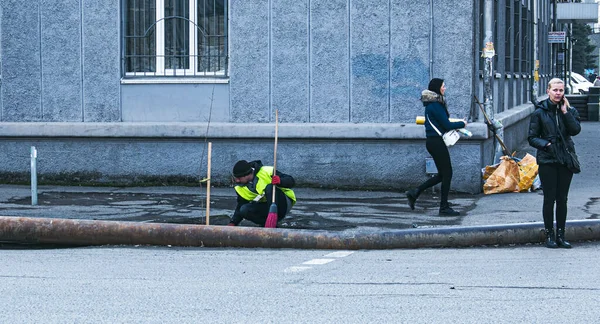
536,61
554,46
488,54
488,73
570,55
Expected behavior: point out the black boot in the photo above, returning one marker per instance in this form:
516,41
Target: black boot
560,239
550,243
412,196
446,210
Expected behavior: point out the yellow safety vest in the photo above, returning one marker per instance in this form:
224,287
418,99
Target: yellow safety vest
264,175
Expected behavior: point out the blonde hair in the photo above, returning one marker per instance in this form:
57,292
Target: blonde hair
555,81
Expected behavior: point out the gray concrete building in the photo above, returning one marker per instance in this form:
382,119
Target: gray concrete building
131,91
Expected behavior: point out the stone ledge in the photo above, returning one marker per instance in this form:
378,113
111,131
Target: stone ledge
250,130
223,130
515,114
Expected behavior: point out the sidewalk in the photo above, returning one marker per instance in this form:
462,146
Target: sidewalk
317,209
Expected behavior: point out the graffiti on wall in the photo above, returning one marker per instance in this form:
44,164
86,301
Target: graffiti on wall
406,78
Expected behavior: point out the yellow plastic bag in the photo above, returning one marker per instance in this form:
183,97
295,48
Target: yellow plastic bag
528,170
504,179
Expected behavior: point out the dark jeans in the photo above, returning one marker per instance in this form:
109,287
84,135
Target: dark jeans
556,180
439,152
257,212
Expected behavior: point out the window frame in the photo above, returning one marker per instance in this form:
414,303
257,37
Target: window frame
160,36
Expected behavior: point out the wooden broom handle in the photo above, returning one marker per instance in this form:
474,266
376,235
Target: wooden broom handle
275,151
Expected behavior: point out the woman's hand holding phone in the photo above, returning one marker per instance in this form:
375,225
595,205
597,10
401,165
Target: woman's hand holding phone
564,105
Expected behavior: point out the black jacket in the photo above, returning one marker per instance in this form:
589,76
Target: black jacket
543,129
437,112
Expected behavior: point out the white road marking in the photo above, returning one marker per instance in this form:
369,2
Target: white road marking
296,269
338,254
318,261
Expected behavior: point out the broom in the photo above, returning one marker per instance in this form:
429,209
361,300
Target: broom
494,127
272,217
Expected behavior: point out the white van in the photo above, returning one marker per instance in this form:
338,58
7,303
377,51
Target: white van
579,84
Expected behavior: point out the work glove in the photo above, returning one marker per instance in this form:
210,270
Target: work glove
231,224
275,181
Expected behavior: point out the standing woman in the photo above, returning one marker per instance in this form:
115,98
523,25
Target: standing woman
436,113
552,118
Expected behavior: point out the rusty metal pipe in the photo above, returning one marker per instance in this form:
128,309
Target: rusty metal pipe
90,232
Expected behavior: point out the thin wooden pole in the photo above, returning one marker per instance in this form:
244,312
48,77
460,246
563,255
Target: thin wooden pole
208,184
275,149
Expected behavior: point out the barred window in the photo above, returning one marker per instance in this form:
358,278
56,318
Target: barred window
175,38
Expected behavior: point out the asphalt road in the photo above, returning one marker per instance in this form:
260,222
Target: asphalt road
522,284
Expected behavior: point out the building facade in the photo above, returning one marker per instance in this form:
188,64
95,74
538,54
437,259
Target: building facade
131,91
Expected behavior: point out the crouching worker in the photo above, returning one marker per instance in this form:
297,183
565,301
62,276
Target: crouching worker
254,188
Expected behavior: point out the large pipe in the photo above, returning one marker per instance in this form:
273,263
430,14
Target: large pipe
88,232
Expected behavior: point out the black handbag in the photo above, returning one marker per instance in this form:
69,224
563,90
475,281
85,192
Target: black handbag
570,159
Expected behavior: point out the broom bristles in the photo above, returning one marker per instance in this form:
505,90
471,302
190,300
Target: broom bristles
272,217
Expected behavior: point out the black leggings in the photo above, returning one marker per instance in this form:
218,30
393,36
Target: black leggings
439,152
556,180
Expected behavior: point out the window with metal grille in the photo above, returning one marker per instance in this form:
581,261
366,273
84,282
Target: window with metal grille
175,38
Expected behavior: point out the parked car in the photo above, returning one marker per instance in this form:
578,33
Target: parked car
578,83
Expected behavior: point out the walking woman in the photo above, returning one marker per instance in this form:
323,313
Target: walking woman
436,113
550,129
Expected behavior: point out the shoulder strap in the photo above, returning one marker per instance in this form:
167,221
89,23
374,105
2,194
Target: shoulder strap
430,123
566,145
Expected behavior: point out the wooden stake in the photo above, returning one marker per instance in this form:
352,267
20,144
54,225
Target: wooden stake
275,149
208,184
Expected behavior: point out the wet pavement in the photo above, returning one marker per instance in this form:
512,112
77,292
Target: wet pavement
330,210
318,209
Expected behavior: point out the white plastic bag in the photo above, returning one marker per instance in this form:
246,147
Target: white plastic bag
537,183
451,137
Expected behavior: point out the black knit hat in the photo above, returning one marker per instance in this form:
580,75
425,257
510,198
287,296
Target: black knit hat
242,168
435,85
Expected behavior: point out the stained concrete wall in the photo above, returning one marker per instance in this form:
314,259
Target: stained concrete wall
175,102
346,61
367,156
60,61
346,76
366,164
340,61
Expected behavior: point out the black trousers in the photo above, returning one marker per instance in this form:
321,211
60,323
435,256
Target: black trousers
257,212
556,181
439,152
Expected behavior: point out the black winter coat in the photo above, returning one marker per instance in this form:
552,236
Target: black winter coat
543,129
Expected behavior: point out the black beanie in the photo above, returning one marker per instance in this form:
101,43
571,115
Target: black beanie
242,168
435,85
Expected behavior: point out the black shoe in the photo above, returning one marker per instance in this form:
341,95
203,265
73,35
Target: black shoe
448,211
560,239
550,243
412,195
